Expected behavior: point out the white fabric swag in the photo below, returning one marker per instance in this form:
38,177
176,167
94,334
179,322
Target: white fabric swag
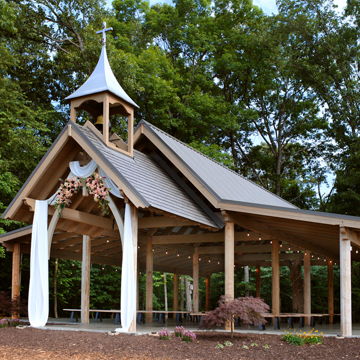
38,304
128,276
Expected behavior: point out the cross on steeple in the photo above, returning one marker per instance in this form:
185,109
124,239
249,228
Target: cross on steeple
103,32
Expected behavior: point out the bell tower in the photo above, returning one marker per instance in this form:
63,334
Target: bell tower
101,96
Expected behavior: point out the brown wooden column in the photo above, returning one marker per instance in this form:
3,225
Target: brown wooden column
134,228
207,293
275,263
258,281
196,279
330,273
16,277
307,286
85,279
345,283
149,279
176,293
229,254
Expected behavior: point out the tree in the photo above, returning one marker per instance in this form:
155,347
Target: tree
248,310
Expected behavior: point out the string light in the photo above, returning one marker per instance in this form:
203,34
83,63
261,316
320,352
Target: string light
209,261
248,234
166,252
109,241
177,254
270,242
357,251
199,259
189,257
280,245
259,238
153,250
218,262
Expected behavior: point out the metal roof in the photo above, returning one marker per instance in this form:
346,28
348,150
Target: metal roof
102,79
223,183
149,180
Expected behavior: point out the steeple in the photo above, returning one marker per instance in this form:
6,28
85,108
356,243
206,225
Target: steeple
101,96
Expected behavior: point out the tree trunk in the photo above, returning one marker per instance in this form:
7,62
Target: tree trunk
56,269
246,278
297,287
188,295
182,293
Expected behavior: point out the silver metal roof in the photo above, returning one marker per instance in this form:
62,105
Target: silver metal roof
147,178
223,183
102,79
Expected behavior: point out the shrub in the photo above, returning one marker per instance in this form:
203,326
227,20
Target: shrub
312,337
248,310
164,334
188,336
8,306
9,322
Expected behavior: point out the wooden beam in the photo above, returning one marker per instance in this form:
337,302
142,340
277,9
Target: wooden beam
195,276
207,238
240,249
307,286
152,222
149,280
330,278
85,279
275,278
176,293
293,214
345,283
281,235
16,277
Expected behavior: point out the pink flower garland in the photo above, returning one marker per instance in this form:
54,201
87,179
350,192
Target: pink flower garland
94,184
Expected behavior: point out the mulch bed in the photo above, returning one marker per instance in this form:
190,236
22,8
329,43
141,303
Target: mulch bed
60,345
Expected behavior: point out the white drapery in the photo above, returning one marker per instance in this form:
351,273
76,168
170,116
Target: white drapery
38,302
128,276
38,308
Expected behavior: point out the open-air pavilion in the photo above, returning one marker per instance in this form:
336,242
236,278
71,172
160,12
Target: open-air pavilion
183,207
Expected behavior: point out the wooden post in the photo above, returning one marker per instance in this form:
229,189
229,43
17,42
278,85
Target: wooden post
176,293
229,252
196,279
106,118
15,279
345,283
330,272
207,293
258,281
85,279
134,225
307,286
72,113
149,280
275,263
131,133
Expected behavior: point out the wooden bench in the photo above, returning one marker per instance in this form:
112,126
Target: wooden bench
74,317
277,318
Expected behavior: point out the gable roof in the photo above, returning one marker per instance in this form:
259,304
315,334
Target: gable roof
102,79
221,183
140,177
147,178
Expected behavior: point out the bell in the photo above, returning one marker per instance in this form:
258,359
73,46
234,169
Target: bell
99,120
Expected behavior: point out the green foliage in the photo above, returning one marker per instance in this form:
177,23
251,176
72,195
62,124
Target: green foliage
312,337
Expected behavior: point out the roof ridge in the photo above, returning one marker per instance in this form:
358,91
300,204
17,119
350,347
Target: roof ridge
215,161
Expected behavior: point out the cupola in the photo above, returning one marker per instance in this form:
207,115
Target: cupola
101,96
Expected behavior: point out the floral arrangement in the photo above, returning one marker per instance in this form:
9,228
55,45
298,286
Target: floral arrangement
164,334
179,330
188,336
93,184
